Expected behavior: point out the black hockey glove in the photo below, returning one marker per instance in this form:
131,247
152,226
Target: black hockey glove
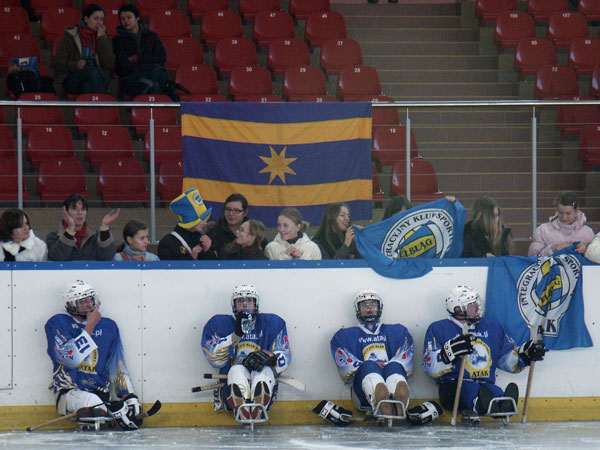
258,360
457,347
532,351
424,413
238,322
334,414
119,412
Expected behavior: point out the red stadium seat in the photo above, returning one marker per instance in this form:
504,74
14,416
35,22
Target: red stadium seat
111,21
595,82
33,115
584,55
245,81
9,181
14,19
533,53
217,25
285,53
17,45
571,119
49,142
382,116
488,10
59,178
146,7
39,6
301,81
566,26
182,50
122,180
167,145
591,9
321,26
301,9
105,4
378,194
207,98
389,145
337,53
84,117
357,81
589,145
170,179
423,180
541,10
7,143
553,82
231,52
250,8
169,23
512,26
107,143
197,8
320,99
55,20
1,115
140,117
198,79
269,26
270,98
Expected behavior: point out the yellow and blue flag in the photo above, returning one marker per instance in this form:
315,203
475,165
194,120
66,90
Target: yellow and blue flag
302,155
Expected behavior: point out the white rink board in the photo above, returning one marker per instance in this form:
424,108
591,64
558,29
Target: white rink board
6,356
161,314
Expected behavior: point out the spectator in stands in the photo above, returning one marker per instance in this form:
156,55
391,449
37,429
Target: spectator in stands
135,243
17,241
593,250
188,241
247,244
485,235
396,204
85,56
564,228
335,236
140,55
76,239
291,241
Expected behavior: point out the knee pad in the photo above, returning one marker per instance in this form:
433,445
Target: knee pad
76,399
368,386
239,376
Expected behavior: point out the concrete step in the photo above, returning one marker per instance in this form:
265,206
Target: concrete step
369,48
413,34
458,163
353,22
398,9
492,181
432,62
437,76
455,91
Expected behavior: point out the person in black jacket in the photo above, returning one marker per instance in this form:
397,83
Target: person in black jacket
485,235
140,55
247,243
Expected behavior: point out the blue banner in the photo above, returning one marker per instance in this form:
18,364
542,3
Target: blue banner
400,246
540,292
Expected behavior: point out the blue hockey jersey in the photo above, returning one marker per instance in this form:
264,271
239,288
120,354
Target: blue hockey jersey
351,347
86,362
492,349
269,333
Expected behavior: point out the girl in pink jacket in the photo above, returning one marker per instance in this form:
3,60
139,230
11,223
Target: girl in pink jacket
563,229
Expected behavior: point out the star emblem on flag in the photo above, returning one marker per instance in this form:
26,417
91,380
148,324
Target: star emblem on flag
277,165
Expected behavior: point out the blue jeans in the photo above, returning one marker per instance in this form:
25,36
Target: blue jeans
88,80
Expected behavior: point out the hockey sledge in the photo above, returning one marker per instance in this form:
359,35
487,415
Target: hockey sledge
504,415
248,408
92,423
398,405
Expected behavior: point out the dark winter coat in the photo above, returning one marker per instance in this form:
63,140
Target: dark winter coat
171,248
150,50
96,246
236,251
477,245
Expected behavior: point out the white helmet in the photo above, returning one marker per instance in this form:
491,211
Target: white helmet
461,297
79,290
368,294
244,291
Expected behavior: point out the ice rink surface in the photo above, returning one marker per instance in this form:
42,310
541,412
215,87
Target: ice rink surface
542,435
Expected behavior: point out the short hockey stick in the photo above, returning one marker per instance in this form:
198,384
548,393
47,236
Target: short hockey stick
461,374
208,388
535,335
296,384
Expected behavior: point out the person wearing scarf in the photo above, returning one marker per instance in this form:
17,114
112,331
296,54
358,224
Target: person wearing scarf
17,241
139,56
84,55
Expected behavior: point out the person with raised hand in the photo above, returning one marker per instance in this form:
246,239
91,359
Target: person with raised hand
335,236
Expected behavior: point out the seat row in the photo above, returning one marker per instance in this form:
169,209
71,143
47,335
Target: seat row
540,10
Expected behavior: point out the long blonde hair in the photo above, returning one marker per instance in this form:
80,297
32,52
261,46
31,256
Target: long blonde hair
485,220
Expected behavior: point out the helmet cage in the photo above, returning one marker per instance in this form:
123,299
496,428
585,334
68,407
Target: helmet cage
462,297
244,291
364,296
75,294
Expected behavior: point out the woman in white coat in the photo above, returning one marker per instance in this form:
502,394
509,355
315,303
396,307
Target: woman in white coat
17,240
291,241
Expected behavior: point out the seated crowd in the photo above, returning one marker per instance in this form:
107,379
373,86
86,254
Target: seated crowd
237,237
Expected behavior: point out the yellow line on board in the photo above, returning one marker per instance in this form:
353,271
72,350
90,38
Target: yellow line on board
556,409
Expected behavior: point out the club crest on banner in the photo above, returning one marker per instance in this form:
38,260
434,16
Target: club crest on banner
424,233
545,290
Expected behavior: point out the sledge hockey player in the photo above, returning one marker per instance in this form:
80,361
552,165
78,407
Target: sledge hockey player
376,359
488,347
87,354
252,348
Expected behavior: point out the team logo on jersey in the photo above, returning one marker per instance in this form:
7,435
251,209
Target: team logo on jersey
89,363
425,233
545,290
244,348
479,362
375,352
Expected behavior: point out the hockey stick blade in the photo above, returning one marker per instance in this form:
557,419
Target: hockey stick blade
293,382
153,409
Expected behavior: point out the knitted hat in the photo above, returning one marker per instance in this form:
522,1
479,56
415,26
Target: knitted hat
190,209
